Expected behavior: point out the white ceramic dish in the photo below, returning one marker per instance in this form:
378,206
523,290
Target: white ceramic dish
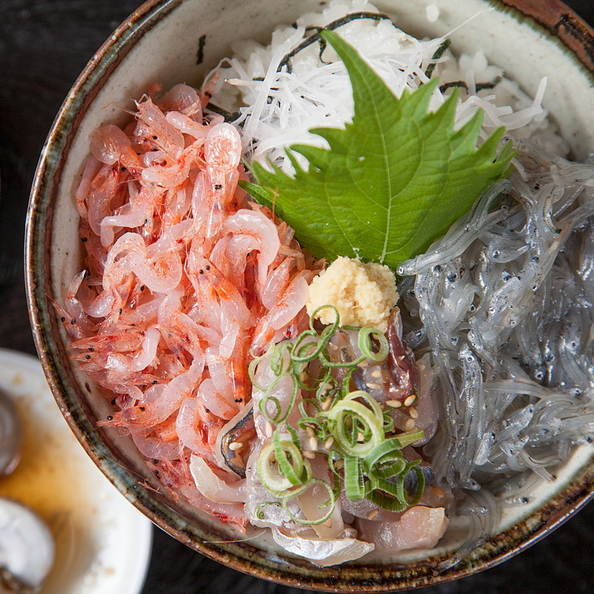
103,544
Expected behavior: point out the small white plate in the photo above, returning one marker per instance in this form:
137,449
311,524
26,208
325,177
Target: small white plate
103,543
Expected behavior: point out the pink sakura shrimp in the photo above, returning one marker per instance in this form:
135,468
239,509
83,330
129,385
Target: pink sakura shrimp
184,281
263,230
110,145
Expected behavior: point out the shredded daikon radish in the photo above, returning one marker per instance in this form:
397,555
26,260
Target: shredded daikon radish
282,99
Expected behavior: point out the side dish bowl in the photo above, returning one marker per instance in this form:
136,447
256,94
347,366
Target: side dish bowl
172,41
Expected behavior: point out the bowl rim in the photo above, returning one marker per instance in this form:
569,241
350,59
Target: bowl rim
553,17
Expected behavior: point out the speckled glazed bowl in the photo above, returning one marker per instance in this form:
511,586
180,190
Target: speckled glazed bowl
180,40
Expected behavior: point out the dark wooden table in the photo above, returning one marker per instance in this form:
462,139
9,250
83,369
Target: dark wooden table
44,45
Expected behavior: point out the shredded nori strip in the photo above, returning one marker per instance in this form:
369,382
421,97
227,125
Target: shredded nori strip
478,86
487,85
229,116
455,83
286,61
438,53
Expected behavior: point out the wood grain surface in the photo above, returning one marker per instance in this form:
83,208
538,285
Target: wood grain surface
44,45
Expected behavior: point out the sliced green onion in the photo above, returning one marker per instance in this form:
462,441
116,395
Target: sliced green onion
408,438
412,466
388,422
346,382
386,447
385,460
366,344
289,458
327,387
334,456
263,406
386,501
377,409
279,415
283,475
294,435
354,483
309,402
361,420
252,371
380,484
268,473
260,509
324,360
334,324
393,496
317,383
330,503
298,370
304,352
279,363
389,466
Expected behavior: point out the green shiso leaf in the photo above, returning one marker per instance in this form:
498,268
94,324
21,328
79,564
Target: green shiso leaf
392,182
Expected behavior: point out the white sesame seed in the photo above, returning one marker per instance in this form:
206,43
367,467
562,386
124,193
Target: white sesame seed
437,491
410,400
373,514
373,386
394,403
329,442
309,454
326,404
413,412
339,464
363,364
310,432
376,373
360,437
313,443
269,429
409,425
236,445
333,346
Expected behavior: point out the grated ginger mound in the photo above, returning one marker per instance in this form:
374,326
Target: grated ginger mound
362,293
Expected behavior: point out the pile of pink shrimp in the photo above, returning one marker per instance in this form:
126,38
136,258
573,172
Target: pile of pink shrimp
185,281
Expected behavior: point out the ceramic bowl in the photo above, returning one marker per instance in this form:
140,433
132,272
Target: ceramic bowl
180,40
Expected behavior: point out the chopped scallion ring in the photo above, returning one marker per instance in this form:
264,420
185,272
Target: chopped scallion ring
330,503
366,336
353,478
349,419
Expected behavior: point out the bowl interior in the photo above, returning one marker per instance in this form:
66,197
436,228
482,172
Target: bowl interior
180,41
